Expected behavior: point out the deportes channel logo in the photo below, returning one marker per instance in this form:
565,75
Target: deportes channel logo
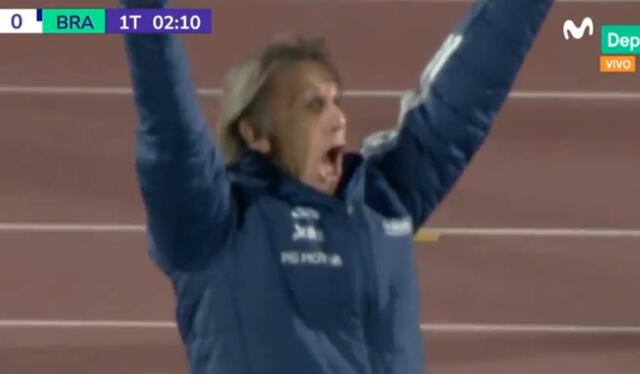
618,43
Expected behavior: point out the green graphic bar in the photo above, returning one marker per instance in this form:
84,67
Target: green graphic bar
620,39
73,21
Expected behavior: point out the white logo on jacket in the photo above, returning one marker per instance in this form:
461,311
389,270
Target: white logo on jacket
306,228
311,258
305,224
398,226
307,232
301,212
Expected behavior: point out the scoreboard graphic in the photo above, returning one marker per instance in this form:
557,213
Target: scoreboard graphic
105,21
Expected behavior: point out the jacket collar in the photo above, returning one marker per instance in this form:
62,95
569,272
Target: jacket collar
255,170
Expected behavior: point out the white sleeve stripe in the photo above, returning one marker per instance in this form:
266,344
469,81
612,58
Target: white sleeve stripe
382,141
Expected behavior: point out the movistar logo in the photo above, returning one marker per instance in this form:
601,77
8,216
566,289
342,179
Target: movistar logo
577,32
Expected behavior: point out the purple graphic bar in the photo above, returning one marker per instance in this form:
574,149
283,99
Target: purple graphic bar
159,21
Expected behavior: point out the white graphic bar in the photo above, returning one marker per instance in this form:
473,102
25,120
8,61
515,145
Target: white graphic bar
20,21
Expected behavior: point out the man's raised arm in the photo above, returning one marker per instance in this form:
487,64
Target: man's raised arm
447,118
181,174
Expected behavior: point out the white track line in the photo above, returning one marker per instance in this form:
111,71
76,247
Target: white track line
566,232
393,94
474,328
70,227
87,324
442,231
529,329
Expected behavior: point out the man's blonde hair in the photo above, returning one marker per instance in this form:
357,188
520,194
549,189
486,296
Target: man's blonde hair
246,88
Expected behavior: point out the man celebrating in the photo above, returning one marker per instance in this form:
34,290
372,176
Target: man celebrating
287,254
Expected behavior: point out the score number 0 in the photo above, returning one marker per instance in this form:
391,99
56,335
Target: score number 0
16,21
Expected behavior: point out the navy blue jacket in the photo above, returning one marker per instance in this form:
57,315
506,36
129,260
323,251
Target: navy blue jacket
272,277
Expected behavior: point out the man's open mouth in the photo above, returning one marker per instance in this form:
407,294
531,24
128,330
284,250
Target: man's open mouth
331,166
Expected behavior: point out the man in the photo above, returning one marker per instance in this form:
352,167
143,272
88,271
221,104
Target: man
287,254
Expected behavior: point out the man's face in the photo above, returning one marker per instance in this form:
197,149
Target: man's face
309,125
